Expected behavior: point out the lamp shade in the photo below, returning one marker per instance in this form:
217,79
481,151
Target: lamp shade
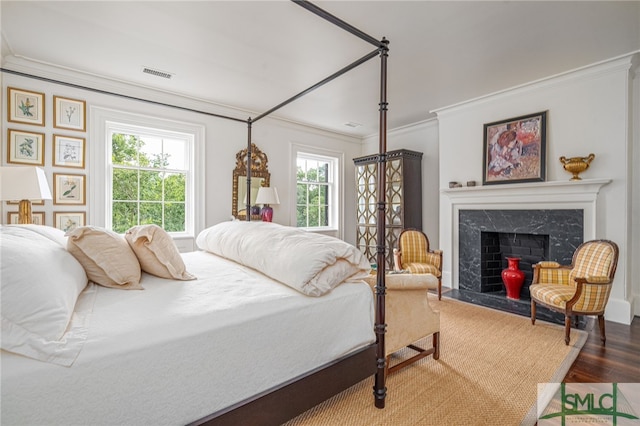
23,183
267,195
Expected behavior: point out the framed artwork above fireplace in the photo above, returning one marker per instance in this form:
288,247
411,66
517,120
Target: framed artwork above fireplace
514,150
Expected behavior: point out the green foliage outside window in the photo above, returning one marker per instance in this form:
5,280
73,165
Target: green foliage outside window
312,199
144,191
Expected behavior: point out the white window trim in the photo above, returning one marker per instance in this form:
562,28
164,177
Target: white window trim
337,199
102,122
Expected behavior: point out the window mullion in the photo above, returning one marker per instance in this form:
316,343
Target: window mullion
138,204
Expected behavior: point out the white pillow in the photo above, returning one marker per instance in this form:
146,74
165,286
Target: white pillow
311,263
41,283
157,253
54,234
106,257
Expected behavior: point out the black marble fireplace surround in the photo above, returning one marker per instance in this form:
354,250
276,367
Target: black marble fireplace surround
531,235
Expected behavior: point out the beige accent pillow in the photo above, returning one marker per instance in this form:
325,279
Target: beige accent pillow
157,252
106,257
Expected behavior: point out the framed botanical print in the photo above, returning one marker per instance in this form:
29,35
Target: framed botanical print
68,189
69,114
515,150
68,221
68,151
25,147
25,106
37,218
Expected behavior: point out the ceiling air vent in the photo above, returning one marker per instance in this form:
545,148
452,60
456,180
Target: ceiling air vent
352,124
157,73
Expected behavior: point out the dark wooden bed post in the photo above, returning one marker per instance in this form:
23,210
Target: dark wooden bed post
248,200
379,389
382,49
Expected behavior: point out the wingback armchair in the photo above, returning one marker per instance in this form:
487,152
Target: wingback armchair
414,255
581,288
409,317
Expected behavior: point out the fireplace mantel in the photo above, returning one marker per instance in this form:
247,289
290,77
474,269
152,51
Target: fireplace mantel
582,194
529,193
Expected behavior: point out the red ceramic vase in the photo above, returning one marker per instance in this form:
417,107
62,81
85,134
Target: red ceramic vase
513,278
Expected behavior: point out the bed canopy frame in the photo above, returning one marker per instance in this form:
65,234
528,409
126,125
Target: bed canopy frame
381,50
263,404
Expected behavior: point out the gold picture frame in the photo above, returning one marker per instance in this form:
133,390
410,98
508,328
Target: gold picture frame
68,221
68,151
33,202
24,147
514,150
69,189
69,114
37,218
25,106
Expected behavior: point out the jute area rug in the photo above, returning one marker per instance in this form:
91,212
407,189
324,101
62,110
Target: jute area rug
489,367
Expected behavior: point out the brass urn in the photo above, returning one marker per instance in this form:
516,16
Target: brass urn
576,165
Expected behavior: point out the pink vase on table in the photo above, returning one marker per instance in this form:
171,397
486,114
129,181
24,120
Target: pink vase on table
513,278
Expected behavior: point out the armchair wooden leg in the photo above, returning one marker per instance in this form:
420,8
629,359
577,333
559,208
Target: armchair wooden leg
533,312
603,337
440,288
567,329
436,345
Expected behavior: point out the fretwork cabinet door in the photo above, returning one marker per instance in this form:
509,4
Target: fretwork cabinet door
403,206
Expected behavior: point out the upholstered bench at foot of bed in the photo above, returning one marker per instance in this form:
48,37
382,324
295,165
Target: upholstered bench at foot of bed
409,316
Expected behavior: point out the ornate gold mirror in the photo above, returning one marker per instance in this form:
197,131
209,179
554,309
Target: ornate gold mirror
259,177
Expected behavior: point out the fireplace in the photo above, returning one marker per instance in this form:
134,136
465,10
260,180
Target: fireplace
486,237
566,212
495,247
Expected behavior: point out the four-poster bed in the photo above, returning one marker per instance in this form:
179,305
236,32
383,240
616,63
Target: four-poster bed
382,49
276,404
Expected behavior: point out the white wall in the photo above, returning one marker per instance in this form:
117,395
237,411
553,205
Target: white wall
224,138
634,189
589,110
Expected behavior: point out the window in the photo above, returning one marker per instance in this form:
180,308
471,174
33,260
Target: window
317,191
148,170
149,174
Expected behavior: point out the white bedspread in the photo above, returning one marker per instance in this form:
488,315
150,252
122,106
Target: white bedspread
180,350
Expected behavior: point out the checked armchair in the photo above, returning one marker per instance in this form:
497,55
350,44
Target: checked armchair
581,288
413,255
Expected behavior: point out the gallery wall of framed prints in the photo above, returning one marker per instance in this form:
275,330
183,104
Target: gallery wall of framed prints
48,130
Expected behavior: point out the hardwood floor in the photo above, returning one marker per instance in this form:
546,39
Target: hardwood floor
617,361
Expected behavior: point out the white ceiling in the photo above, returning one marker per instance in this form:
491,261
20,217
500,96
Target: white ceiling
255,54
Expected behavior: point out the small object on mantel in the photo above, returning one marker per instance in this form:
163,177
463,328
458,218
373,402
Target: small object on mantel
576,165
471,183
455,185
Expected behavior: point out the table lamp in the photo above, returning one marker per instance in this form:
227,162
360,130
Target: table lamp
266,196
24,184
